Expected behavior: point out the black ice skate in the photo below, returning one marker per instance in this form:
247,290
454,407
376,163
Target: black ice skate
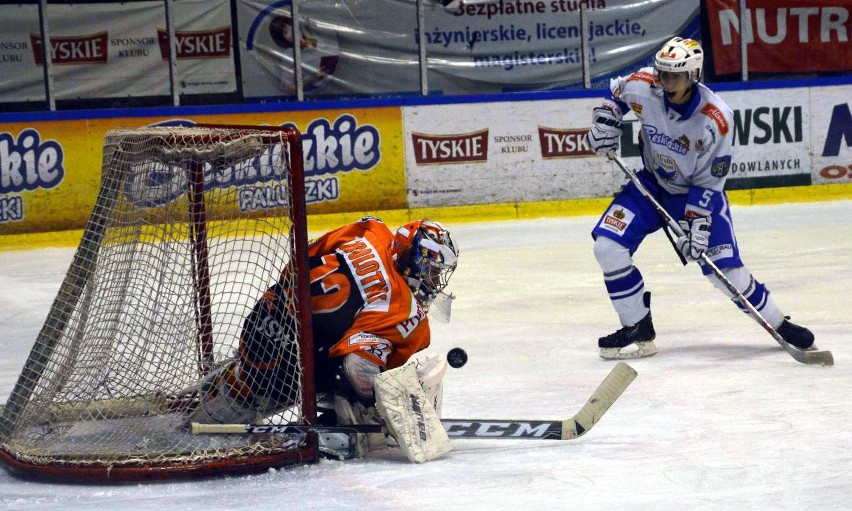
796,335
641,335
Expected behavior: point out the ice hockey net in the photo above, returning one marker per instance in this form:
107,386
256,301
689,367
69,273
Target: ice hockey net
190,228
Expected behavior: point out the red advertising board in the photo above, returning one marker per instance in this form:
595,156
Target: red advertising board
782,36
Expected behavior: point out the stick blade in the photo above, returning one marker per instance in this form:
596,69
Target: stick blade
616,382
811,357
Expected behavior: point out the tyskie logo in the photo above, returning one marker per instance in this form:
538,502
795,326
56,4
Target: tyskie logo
84,49
458,148
197,45
563,143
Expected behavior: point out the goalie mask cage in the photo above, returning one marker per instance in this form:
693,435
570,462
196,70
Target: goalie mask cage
190,228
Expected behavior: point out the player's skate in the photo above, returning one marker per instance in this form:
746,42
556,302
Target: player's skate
641,336
796,335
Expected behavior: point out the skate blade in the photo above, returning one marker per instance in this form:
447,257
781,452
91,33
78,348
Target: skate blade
635,350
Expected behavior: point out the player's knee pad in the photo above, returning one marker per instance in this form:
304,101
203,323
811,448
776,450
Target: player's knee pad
740,277
611,256
357,377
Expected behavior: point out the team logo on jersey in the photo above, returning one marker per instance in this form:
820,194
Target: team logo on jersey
376,346
637,108
684,141
699,145
714,113
658,137
721,166
617,219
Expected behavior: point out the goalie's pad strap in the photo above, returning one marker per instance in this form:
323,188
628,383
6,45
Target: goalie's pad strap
409,415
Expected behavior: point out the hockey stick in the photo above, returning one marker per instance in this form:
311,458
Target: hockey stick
621,376
813,357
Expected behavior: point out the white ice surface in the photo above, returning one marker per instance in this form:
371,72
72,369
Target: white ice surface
720,418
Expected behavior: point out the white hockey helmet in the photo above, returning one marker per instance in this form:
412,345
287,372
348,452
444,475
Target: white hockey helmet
427,256
680,55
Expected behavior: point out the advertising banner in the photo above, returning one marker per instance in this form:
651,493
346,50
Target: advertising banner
474,46
771,138
204,41
782,36
831,134
516,152
535,151
116,50
105,50
50,172
20,78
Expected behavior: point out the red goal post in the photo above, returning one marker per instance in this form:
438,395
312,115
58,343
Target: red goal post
190,228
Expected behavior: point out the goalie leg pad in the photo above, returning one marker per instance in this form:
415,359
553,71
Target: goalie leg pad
409,415
357,413
430,372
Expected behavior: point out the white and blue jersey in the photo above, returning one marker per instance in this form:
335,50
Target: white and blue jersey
686,152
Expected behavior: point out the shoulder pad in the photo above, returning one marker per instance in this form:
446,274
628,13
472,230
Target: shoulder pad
643,76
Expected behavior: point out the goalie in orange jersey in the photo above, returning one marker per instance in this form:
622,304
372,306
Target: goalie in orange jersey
371,289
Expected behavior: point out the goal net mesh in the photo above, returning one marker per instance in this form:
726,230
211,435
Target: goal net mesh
190,228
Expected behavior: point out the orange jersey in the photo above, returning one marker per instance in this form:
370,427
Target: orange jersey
361,304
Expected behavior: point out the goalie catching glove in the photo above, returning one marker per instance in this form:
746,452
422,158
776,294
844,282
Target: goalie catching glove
605,134
696,238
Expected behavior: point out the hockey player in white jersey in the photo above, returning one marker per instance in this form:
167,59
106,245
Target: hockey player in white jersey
685,141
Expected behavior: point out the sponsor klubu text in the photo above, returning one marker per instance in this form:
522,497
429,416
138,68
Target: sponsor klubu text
456,148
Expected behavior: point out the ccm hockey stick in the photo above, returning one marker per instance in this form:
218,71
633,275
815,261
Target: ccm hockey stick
810,356
621,376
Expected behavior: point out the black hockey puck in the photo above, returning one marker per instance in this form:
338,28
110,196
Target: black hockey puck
456,357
